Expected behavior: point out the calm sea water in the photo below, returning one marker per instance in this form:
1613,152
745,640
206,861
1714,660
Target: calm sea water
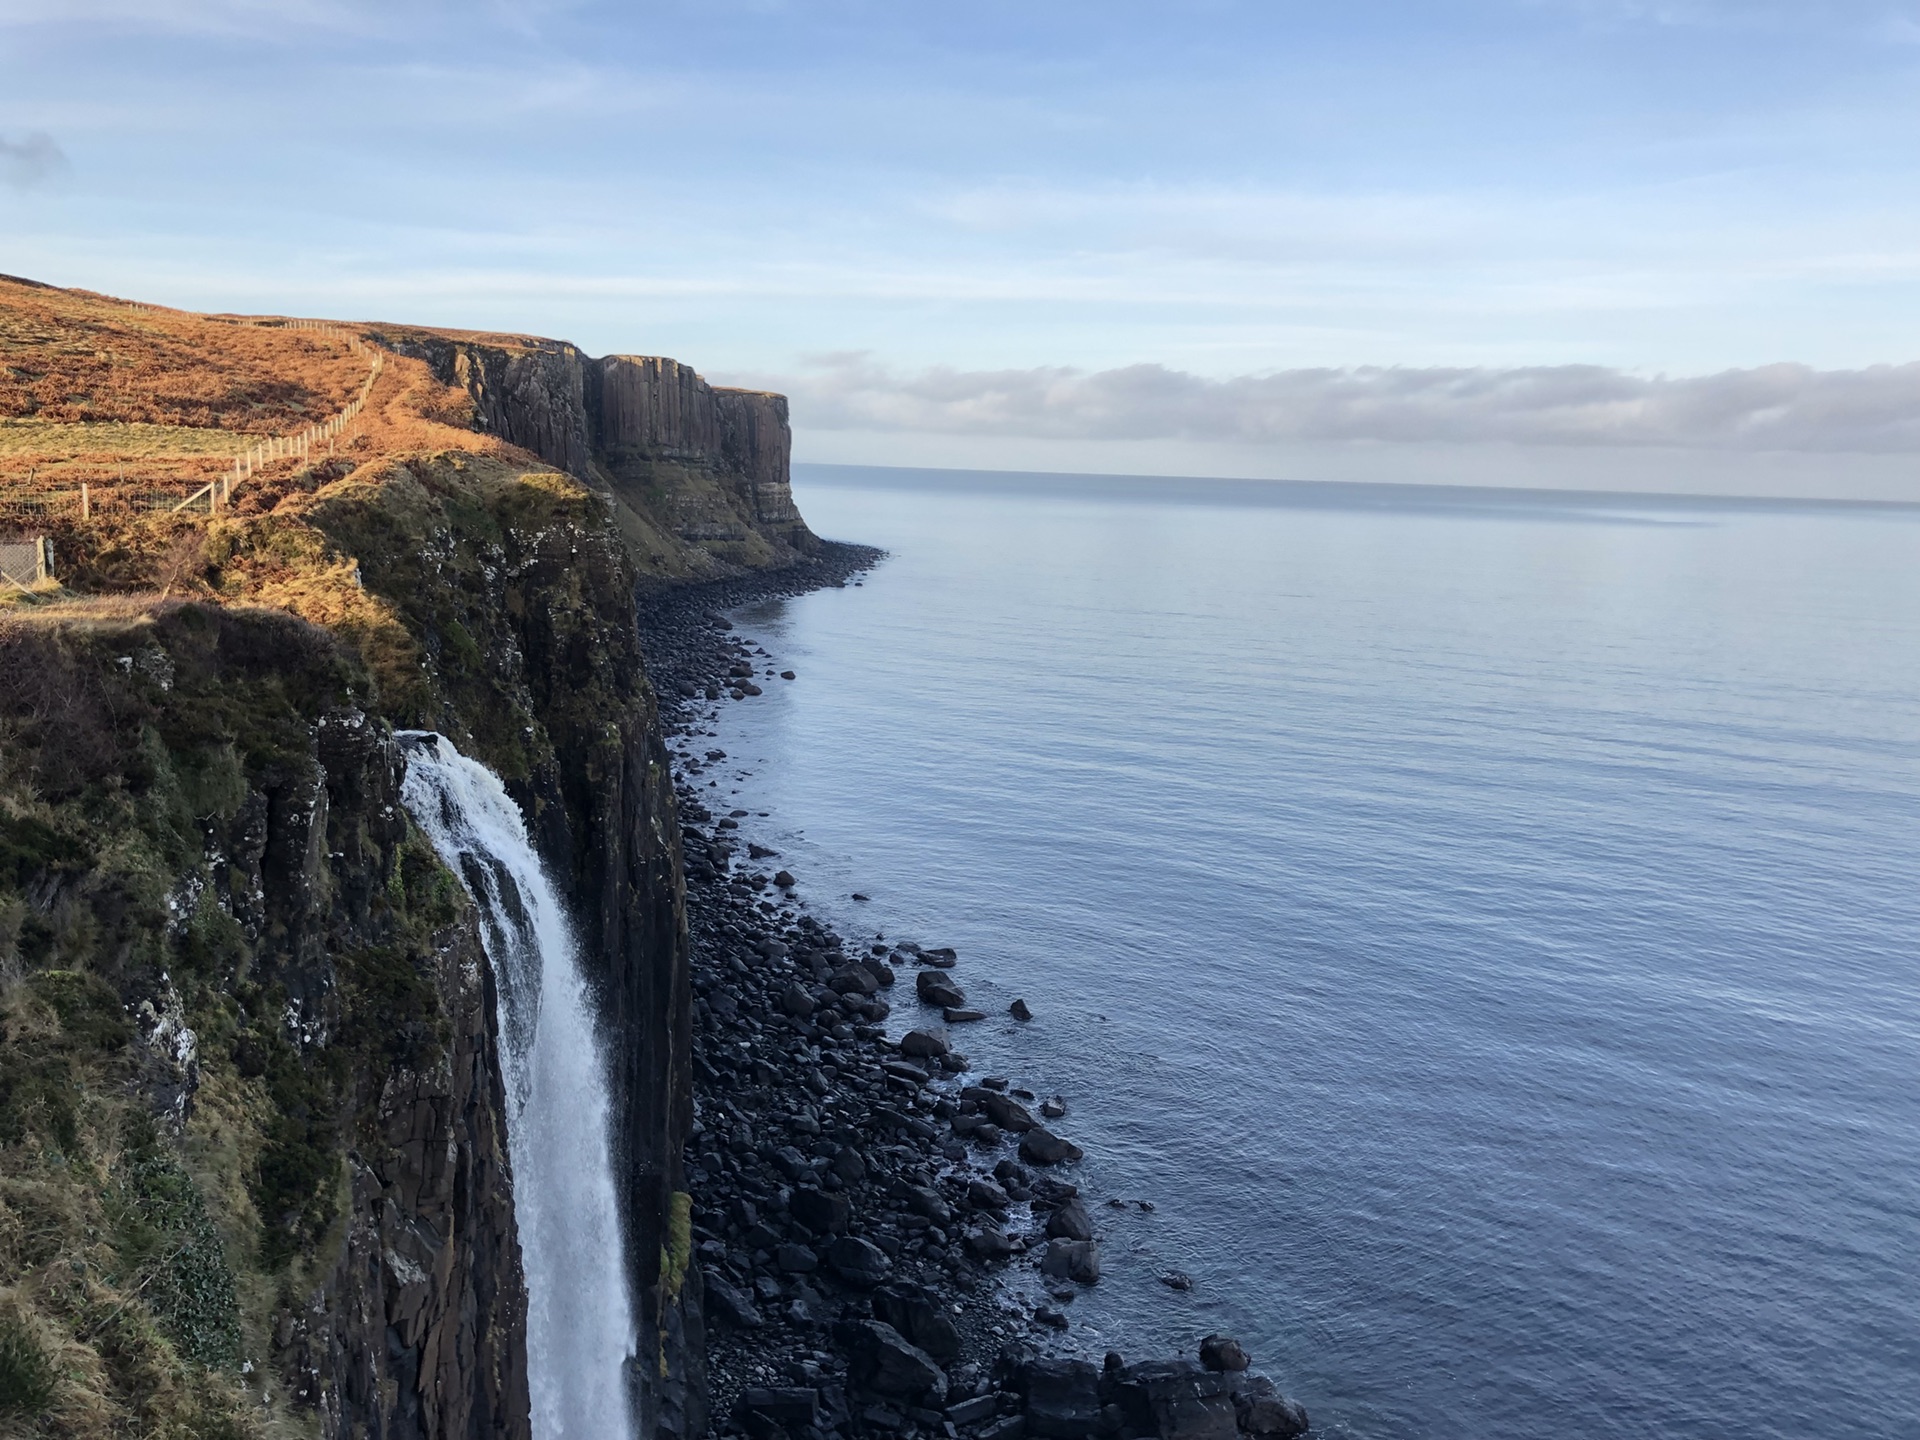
1486,928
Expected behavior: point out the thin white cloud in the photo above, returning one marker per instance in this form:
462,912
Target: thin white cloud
31,161
255,19
1771,407
1844,16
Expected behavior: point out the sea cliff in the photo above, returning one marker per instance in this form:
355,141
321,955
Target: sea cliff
232,973
698,475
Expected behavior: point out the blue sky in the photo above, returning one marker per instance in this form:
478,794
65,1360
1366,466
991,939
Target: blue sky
1010,233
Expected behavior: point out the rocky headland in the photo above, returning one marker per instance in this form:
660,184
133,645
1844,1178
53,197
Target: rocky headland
253,1179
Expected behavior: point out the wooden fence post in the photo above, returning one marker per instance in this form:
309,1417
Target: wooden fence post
86,502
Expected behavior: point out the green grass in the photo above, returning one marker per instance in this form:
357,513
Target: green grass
60,440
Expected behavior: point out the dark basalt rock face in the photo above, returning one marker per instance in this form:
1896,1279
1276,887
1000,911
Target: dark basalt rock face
528,612
279,963
699,474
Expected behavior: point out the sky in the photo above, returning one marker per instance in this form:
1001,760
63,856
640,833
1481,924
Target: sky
1660,245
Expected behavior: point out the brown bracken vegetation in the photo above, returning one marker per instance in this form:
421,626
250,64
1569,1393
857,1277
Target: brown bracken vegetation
76,357
143,405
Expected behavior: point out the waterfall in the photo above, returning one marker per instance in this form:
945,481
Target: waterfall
580,1325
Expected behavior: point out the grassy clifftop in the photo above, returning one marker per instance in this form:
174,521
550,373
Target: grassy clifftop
143,406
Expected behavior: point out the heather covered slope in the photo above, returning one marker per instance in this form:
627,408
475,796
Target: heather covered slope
143,406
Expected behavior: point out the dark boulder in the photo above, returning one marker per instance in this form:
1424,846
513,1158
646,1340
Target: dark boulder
917,1314
796,1001
731,1304
789,1162
1019,1010
788,1408
1072,1260
1007,1113
820,1212
1175,1400
1264,1412
929,1203
881,1359
1070,1222
795,1259
858,1262
989,1242
985,1195
1061,1398
1040,1146
924,1044
972,1412
853,980
906,1071
934,988
1223,1353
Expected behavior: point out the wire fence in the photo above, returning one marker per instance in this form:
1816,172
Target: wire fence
24,506
25,564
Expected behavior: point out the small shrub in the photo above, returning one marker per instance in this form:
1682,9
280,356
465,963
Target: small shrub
393,1011
163,1234
27,1376
28,847
295,1183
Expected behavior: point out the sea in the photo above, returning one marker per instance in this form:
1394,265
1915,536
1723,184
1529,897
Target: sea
1476,933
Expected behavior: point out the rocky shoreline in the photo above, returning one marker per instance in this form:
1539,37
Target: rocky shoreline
855,1196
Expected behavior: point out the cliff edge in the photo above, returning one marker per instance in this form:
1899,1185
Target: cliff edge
699,476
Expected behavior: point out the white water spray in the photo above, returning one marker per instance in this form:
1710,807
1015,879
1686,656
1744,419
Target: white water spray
580,1327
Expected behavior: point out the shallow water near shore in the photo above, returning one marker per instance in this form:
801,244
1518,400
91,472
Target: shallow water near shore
1485,928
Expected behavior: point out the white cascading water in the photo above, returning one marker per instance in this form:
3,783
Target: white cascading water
580,1327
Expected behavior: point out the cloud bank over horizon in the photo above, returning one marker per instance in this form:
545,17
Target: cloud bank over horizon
1778,407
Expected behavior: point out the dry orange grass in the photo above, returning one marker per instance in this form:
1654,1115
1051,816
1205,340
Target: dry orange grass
132,401
76,357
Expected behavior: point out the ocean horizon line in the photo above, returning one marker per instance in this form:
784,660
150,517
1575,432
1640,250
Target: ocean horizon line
1289,493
